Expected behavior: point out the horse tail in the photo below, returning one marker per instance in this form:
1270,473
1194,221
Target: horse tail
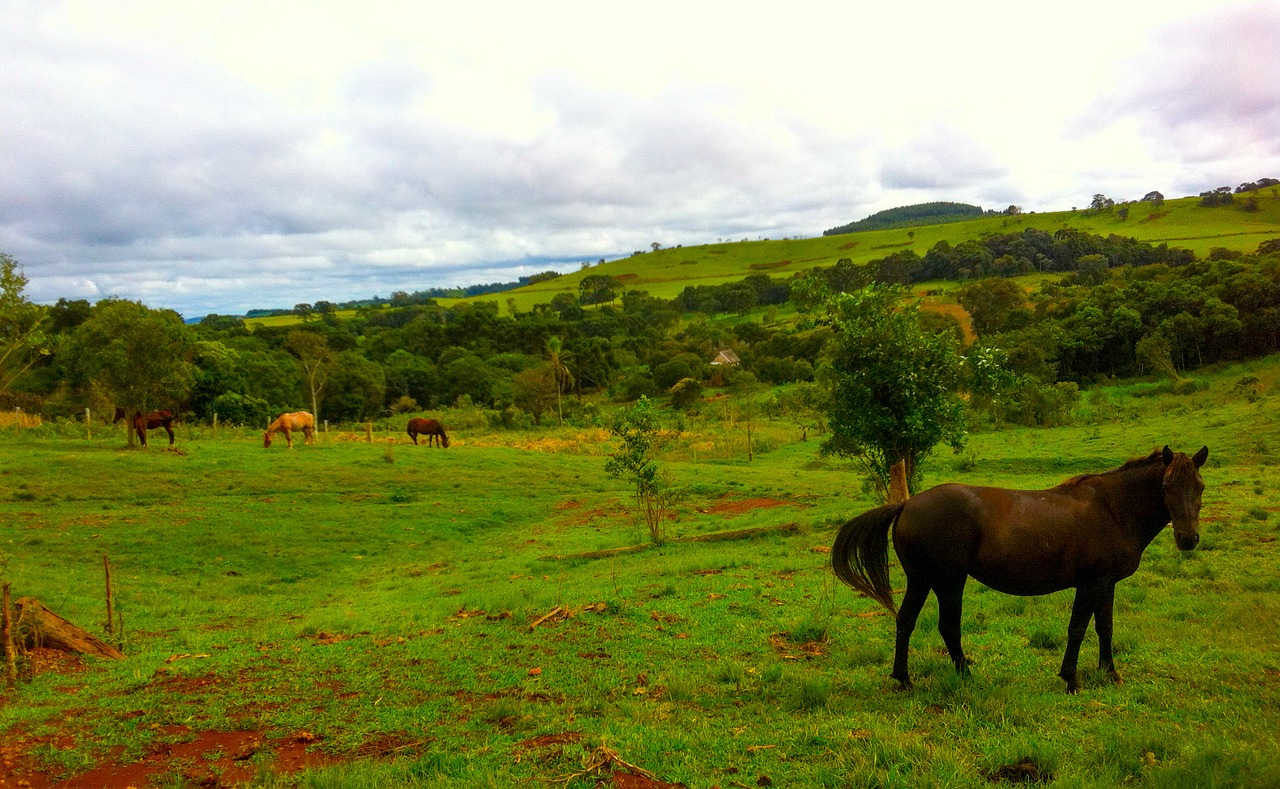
860,554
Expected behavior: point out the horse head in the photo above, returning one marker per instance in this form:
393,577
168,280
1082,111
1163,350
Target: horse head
266,440
1183,487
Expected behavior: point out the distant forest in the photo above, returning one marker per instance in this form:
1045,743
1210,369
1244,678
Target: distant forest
402,299
1120,307
912,216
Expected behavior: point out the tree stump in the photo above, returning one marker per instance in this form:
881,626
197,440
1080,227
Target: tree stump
37,626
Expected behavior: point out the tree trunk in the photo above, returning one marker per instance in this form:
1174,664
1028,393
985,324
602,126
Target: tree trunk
37,626
898,491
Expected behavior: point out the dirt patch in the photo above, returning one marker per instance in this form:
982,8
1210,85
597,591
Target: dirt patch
730,508
205,758
1024,772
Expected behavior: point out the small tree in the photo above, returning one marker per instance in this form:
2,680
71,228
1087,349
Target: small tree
685,394
746,387
534,391
1155,352
634,462
893,389
556,358
316,358
21,338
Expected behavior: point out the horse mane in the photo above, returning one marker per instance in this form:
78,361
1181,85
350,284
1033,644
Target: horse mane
1128,465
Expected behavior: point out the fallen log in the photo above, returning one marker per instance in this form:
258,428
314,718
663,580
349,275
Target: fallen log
37,626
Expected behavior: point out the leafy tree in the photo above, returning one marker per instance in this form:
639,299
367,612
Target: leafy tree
1101,203
893,388
685,394
356,388
597,289
138,355
990,303
534,391
1269,246
316,358
634,461
1091,270
22,340
467,375
1155,352
682,365
409,375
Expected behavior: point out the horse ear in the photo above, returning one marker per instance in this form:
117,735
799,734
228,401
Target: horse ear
1201,457
1168,455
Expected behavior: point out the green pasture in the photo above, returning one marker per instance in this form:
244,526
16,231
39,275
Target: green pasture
391,602
666,272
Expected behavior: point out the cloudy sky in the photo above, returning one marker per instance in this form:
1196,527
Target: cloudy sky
217,157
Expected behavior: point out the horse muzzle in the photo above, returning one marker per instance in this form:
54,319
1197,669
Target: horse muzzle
1186,540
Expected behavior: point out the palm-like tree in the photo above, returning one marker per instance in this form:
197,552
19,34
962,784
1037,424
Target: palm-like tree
556,358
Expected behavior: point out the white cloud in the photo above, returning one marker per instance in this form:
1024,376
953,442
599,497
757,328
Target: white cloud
252,154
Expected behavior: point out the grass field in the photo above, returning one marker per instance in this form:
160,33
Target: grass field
666,272
358,614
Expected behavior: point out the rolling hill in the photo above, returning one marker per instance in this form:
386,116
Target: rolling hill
664,273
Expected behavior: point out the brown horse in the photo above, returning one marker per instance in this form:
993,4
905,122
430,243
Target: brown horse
429,428
151,421
287,424
1088,533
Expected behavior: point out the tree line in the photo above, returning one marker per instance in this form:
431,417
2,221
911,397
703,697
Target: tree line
1121,307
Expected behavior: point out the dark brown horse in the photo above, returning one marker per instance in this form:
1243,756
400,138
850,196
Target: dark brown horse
151,421
1088,533
429,428
289,423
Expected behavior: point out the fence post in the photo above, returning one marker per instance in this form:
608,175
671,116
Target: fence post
111,602
6,635
88,429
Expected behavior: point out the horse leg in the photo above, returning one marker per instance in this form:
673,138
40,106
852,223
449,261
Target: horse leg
288,438
950,605
908,612
1082,609
1102,624
169,430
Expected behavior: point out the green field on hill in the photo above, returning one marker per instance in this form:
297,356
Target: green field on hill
664,273
374,614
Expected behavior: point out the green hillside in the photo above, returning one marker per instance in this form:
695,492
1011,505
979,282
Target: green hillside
664,273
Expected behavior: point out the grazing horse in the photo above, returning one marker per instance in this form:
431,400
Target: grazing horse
1088,533
287,424
429,428
151,421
